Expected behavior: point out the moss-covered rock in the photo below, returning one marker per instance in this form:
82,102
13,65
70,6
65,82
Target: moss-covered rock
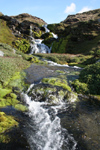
4,92
57,82
6,123
52,94
35,59
22,45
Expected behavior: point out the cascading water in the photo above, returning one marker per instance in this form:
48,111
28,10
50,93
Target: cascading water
44,131
36,44
47,30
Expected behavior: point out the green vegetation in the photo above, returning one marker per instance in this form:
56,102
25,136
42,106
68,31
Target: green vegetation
57,82
9,66
6,35
89,80
6,123
22,45
37,34
11,77
58,28
11,82
35,59
60,71
78,38
70,59
48,39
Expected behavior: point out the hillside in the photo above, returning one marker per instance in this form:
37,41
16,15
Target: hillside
14,28
78,33
82,17
28,17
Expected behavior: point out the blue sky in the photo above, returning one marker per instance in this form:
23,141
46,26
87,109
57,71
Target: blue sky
51,11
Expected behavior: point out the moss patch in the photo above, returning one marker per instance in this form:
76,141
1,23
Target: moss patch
57,82
6,123
22,45
7,98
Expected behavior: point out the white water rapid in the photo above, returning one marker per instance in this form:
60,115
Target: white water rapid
36,44
44,131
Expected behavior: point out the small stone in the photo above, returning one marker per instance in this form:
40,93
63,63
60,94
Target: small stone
1,53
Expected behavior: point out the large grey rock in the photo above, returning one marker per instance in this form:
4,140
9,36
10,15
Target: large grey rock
1,53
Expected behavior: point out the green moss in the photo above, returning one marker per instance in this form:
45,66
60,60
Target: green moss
57,82
4,92
37,34
8,98
35,59
6,123
22,45
80,87
20,107
17,80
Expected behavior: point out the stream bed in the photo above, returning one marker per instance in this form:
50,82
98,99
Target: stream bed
64,125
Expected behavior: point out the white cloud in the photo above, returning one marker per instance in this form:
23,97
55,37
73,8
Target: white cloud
70,9
84,9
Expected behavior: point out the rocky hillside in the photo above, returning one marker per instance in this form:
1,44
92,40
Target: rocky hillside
82,17
28,17
78,33
17,28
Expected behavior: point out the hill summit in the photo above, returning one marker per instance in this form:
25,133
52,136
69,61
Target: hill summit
27,17
82,17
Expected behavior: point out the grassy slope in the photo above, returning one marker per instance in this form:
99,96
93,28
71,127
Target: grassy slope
6,35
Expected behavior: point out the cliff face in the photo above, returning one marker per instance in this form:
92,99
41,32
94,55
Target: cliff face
81,17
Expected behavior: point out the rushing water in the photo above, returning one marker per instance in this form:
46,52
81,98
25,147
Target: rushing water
44,131
36,44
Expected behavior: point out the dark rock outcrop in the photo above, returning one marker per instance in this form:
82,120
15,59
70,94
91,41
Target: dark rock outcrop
20,24
30,18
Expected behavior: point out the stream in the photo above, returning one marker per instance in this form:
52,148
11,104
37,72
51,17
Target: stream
44,126
54,121
62,125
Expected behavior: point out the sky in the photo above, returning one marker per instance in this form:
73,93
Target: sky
51,11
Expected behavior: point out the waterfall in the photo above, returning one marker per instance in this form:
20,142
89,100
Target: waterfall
36,44
44,131
47,30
